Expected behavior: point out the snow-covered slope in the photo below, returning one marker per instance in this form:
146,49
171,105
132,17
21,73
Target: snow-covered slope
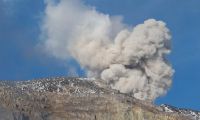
192,114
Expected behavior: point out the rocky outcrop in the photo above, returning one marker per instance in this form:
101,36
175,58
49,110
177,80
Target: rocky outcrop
76,99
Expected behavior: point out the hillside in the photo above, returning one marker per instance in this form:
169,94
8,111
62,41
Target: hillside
78,99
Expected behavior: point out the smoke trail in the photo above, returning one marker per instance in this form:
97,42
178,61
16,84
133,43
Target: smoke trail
130,60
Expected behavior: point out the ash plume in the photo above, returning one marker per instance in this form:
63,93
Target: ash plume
132,60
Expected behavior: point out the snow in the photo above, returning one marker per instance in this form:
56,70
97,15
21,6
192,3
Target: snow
194,115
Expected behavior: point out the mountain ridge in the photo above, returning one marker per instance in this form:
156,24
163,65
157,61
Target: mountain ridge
64,98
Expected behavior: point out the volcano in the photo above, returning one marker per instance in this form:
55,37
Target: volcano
64,98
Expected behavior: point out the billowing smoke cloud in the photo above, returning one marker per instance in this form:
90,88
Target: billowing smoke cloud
131,60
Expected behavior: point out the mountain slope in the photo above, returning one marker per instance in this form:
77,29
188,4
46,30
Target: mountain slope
78,99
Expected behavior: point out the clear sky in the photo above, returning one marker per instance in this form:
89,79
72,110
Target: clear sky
20,59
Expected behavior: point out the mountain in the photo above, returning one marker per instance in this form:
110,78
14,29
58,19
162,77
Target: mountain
79,99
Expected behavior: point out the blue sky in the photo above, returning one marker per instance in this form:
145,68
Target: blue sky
20,59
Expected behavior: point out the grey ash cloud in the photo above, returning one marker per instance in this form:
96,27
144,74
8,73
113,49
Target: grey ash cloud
132,60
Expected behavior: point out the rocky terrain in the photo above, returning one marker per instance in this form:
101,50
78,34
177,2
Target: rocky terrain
78,99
